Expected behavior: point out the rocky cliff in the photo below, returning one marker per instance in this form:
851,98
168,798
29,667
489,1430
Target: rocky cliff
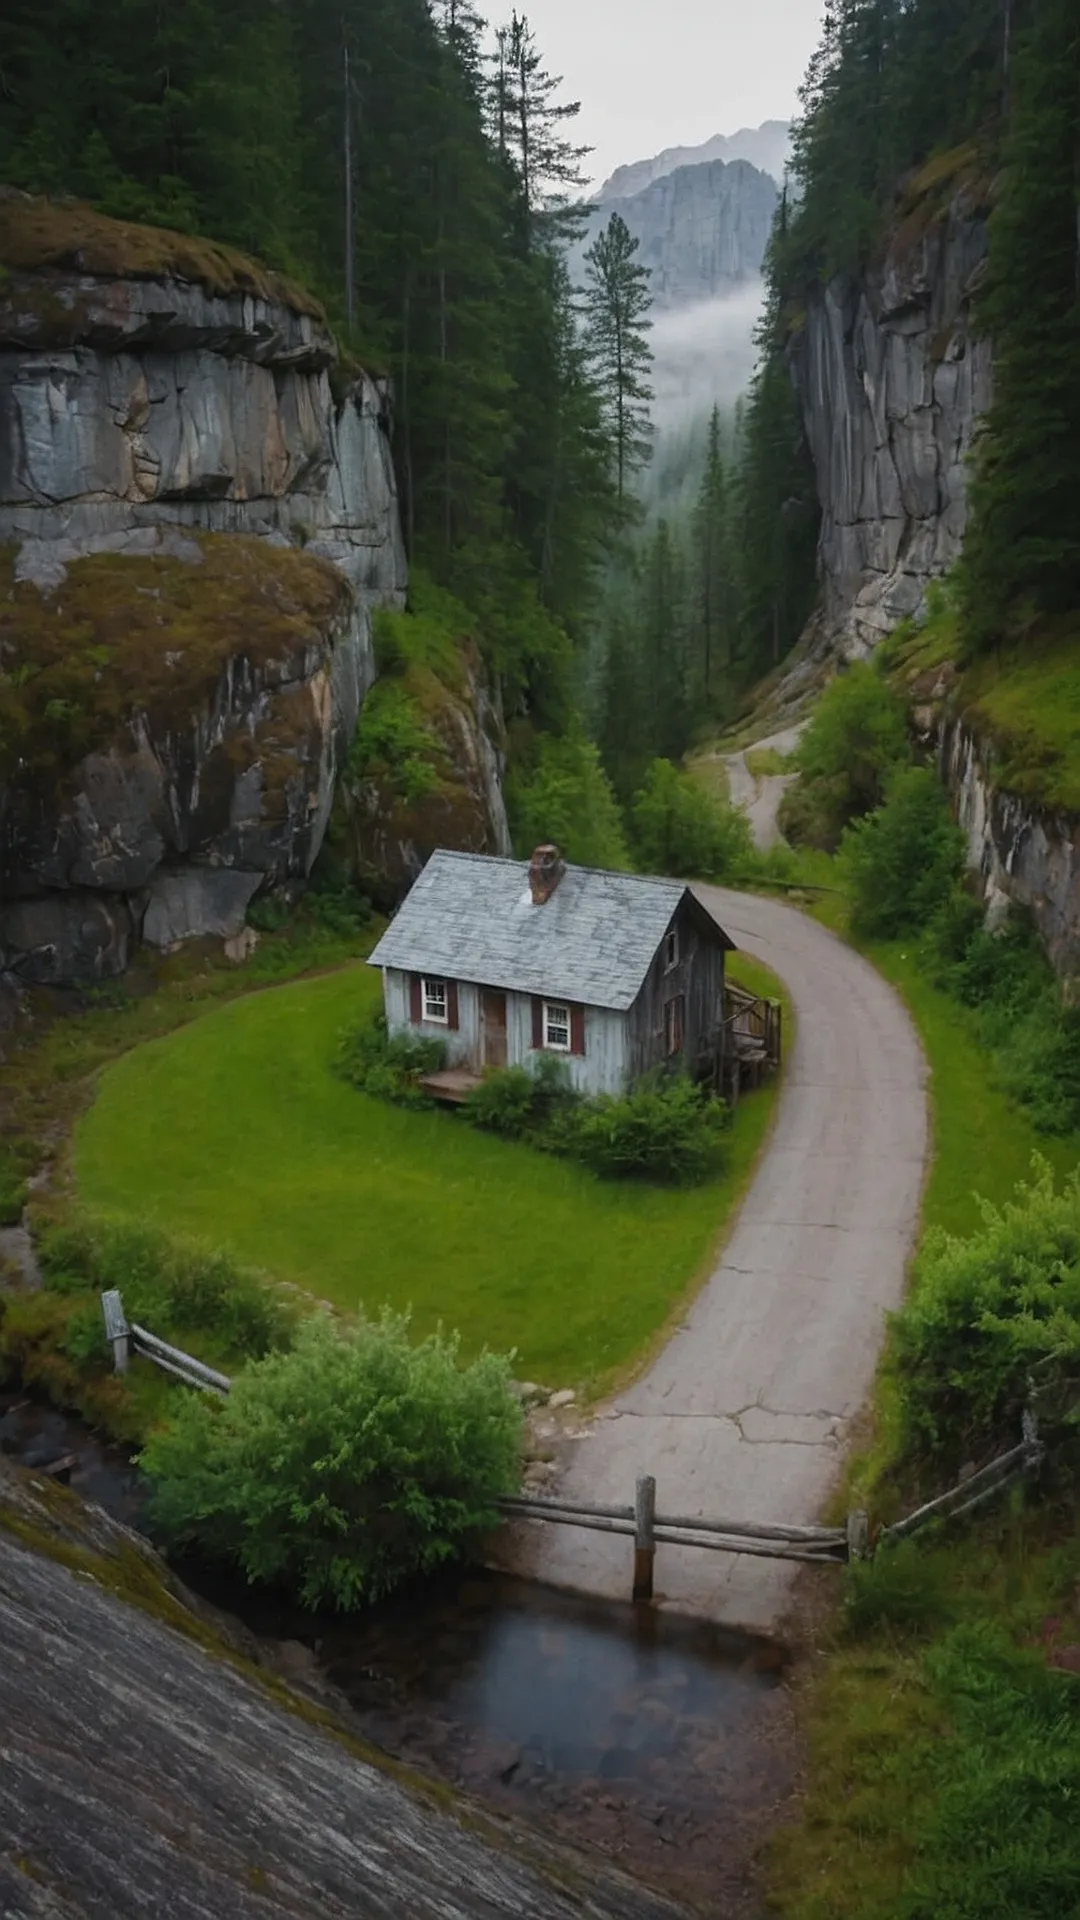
703,229
149,1767
198,520
892,380
767,147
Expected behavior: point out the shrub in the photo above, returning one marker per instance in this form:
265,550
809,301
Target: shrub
856,739
13,1189
566,797
1005,975
516,1101
388,1066
985,1310
343,1467
168,1284
394,745
680,828
667,1129
905,860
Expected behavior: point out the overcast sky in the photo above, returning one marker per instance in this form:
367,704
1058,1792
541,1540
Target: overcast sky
666,73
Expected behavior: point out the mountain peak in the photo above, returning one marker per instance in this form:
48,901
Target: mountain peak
765,147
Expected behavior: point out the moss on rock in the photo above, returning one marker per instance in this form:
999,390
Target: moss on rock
151,634
39,235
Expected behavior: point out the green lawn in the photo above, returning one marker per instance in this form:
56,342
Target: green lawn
235,1129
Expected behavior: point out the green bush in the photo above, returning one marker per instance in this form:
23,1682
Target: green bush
341,1468
388,1066
667,1129
394,744
517,1101
169,1285
1004,974
680,828
562,794
983,1312
13,1189
856,739
903,861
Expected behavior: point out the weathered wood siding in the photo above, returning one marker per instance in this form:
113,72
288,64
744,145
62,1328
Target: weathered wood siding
699,976
462,1044
602,1068
619,1047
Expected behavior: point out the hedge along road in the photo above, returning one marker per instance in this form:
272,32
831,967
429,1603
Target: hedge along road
745,1413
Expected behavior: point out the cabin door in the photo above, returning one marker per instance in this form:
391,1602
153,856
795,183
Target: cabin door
493,1027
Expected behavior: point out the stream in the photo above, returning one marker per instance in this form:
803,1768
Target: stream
666,1742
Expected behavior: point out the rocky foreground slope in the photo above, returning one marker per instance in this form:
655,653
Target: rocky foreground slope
148,1768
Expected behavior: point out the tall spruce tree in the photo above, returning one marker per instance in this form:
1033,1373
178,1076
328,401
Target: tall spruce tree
617,327
1022,550
713,616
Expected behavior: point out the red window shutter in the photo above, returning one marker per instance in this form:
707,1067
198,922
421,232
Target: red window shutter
416,1002
451,1005
538,1023
577,1029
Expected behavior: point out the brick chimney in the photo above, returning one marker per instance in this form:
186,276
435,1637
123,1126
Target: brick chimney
546,869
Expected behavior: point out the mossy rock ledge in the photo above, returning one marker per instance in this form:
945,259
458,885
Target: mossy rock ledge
151,1764
198,519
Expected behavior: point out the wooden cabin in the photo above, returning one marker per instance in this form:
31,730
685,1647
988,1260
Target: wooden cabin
506,959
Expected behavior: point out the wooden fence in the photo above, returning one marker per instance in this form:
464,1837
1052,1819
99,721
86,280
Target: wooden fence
815,1546
126,1339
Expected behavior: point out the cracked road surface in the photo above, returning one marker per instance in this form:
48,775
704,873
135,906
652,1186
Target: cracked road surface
745,1413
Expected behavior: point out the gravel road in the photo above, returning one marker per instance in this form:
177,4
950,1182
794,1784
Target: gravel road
745,1413
760,797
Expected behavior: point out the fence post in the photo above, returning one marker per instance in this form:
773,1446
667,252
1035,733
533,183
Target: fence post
644,1536
858,1536
116,1328
1033,1447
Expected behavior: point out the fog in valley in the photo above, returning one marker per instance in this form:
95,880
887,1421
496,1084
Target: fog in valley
703,357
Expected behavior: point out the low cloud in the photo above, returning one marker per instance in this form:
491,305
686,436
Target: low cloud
703,356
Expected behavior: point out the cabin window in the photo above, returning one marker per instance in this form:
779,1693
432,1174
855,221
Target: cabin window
435,1002
674,1024
557,1026
671,950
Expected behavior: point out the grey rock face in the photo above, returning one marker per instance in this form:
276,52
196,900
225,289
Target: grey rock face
1023,853
703,229
134,415
143,1773
892,381
766,147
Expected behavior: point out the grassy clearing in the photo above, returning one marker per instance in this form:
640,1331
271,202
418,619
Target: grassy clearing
709,768
761,762
236,1130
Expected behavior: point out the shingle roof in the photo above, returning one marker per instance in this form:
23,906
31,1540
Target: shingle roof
471,917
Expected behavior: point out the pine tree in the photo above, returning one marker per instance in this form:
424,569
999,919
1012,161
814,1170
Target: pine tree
1022,551
713,588
617,327
529,123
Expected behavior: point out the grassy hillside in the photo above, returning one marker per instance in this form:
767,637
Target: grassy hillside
236,1129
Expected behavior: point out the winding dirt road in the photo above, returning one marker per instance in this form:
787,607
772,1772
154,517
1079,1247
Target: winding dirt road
760,795
745,1413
